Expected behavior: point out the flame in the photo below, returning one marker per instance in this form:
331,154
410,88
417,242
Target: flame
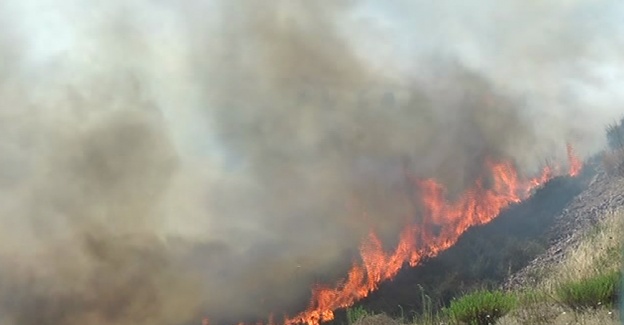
575,163
479,205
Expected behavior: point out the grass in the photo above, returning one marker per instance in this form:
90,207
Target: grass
583,288
595,292
534,307
597,254
481,307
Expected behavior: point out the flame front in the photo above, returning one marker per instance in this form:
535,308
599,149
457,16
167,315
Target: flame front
477,206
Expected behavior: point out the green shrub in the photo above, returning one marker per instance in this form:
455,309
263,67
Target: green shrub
590,293
481,307
354,314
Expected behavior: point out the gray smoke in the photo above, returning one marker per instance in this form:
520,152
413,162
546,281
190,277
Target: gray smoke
164,160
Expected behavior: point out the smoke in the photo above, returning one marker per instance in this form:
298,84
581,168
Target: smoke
162,160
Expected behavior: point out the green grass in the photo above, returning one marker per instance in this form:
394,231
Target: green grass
481,307
591,293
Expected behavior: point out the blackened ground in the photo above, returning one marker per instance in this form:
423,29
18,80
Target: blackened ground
484,256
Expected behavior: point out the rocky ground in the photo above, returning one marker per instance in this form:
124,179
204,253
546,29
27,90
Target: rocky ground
604,194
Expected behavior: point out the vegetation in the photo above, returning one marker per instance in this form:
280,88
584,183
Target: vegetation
613,158
534,307
593,293
481,307
599,253
615,135
355,314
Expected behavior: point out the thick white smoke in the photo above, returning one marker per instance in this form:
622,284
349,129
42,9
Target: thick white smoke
164,159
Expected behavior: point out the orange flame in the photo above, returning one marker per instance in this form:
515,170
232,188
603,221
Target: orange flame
478,205
575,163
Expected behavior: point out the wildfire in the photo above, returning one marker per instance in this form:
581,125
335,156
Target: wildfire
478,205
575,163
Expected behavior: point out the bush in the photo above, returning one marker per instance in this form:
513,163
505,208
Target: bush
591,293
481,307
613,162
615,135
613,159
355,314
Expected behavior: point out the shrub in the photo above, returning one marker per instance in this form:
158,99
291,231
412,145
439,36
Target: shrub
615,135
590,293
613,162
613,159
481,307
355,314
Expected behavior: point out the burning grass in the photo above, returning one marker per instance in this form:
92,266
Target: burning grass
582,289
483,258
579,290
478,206
442,222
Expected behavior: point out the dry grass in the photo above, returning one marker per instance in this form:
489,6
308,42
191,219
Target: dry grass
596,317
613,162
598,253
380,319
534,307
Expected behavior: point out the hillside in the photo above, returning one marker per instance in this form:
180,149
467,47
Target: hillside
593,207
588,245
581,241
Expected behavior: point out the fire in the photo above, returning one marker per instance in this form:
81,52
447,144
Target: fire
479,205
575,163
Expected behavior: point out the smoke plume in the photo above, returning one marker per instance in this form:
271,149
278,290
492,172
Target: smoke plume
161,160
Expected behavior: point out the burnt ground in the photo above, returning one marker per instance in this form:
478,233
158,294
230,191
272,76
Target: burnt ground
507,251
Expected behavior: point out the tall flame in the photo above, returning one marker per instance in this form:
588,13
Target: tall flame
480,204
